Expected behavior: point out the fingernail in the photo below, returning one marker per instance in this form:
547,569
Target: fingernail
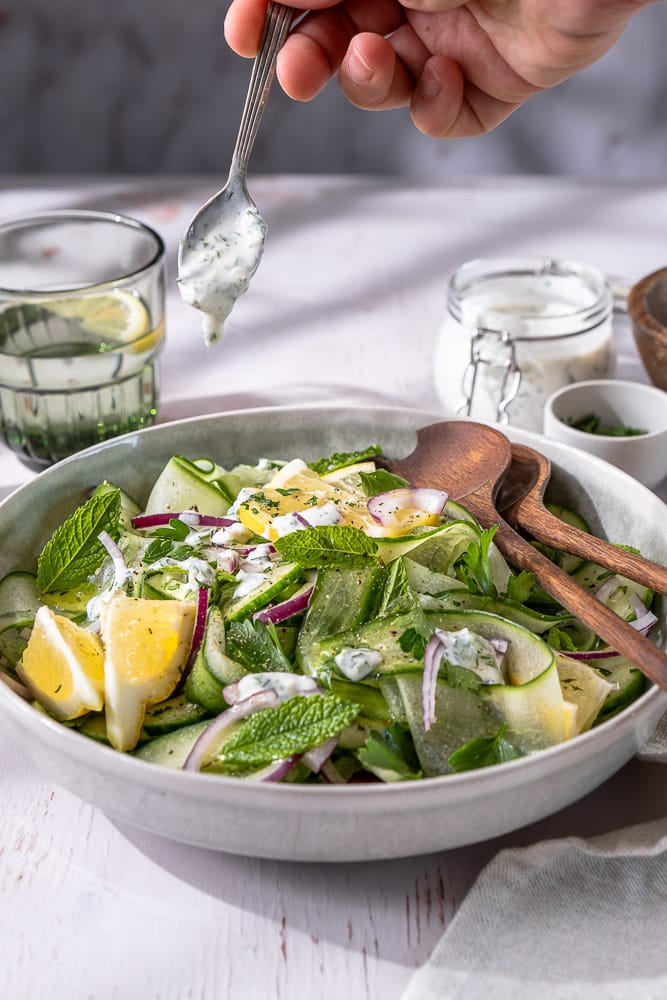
357,67
431,84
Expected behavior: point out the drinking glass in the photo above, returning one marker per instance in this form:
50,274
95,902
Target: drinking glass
81,328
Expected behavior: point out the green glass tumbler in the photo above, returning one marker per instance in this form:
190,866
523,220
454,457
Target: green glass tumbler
81,328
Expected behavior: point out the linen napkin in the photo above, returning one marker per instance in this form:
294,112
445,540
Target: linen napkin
565,919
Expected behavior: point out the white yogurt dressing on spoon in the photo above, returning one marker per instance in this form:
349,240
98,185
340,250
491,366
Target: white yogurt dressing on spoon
216,265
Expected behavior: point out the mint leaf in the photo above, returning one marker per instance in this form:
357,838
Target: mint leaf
333,545
390,755
483,752
73,553
340,459
380,481
256,646
292,728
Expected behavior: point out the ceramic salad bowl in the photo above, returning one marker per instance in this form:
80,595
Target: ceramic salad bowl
318,822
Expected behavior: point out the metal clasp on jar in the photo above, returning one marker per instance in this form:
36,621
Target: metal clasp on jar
496,349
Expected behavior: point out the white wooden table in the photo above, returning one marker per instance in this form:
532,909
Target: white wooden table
345,307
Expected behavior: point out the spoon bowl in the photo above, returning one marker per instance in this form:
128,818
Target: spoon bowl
468,461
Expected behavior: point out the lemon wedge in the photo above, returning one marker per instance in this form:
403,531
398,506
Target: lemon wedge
63,666
146,647
296,488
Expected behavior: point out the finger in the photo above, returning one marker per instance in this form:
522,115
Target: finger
314,52
372,77
446,106
243,26
433,6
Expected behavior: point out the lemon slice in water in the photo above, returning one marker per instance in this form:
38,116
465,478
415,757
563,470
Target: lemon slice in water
116,317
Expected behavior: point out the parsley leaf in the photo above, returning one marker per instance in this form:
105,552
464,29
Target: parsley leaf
74,552
342,458
327,545
413,641
390,754
483,752
520,587
294,727
475,568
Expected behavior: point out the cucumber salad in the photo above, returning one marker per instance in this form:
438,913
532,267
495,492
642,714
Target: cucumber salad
298,622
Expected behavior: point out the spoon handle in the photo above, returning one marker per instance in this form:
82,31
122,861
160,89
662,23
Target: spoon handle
546,527
617,633
276,27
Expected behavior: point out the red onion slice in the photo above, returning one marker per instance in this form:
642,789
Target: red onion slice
607,588
316,757
432,658
275,771
209,740
384,506
199,627
591,654
187,516
120,570
294,605
331,774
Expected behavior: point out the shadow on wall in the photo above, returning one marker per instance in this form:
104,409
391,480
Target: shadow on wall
152,87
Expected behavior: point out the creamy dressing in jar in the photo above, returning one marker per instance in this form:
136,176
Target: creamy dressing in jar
517,330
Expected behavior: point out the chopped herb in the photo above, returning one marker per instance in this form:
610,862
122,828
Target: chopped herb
592,424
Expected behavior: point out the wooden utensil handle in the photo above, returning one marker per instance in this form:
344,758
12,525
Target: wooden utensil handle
617,633
548,528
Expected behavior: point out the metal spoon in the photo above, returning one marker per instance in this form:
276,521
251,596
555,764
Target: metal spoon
469,460
225,240
521,502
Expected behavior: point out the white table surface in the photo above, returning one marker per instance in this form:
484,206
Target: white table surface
345,307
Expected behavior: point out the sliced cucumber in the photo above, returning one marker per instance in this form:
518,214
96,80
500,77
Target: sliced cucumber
185,485
591,577
273,584
129,508
380,634
464,600
18,605
202,688
584,687
565,560
628,684
174,713
342,599
172,749
223,668
167,584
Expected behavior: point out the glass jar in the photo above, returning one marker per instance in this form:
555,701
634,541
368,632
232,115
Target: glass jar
517,329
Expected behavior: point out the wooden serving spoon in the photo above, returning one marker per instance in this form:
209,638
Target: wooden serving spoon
468,461
521,502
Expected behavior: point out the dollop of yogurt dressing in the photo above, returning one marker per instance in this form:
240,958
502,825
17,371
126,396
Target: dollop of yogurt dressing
215,267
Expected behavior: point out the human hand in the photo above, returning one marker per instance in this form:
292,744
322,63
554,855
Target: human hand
462,68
